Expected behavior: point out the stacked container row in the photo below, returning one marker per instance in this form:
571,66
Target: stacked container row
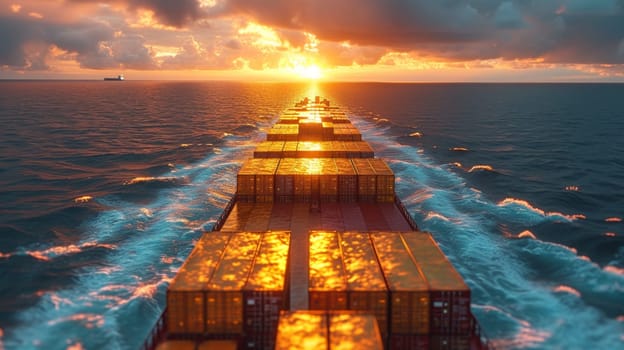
402,278
255,180
310,149
314,130
232,286
302,330
306,179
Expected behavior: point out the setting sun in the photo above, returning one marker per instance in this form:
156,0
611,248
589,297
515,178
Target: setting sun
309,72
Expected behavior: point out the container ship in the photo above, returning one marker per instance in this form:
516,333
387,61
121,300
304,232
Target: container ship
117,78
316,251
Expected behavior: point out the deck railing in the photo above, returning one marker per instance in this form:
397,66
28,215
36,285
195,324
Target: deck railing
406,214
159,330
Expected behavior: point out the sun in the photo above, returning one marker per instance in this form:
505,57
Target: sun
309,72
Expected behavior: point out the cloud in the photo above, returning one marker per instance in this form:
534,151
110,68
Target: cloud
28,44
572,31
259,34
177,13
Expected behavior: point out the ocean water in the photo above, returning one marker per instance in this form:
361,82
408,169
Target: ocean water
105,186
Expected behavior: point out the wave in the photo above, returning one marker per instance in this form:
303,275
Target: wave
517,282
160,180
481,167
525,205
246,128
145,243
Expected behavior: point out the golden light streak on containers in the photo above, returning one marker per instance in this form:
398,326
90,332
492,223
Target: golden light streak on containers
309,149
224,297
338,149
339,330
269,149
409,291
238,286
449,294
353,331
313,149
266,291
185,297
302,330
327,287
255,180
366,286
290,149
283,132
285,180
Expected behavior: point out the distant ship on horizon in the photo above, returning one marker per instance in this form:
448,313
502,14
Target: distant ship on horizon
120,77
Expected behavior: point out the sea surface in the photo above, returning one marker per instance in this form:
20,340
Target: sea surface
105,187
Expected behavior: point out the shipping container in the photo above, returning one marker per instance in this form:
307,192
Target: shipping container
302,330
265,177
367,180
224,297
290,149
262,149
328,130
266,291
338,149
246,182
409,292
255,180
367,290
347,180
185,299
310,130
353,331
449,294
328,180
285,181
310,149
385,180
327,277
340,330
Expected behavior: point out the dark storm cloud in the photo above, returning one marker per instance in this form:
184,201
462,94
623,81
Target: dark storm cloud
94,44
177,13
565,31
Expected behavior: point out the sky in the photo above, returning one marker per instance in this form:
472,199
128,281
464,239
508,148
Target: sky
332,40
